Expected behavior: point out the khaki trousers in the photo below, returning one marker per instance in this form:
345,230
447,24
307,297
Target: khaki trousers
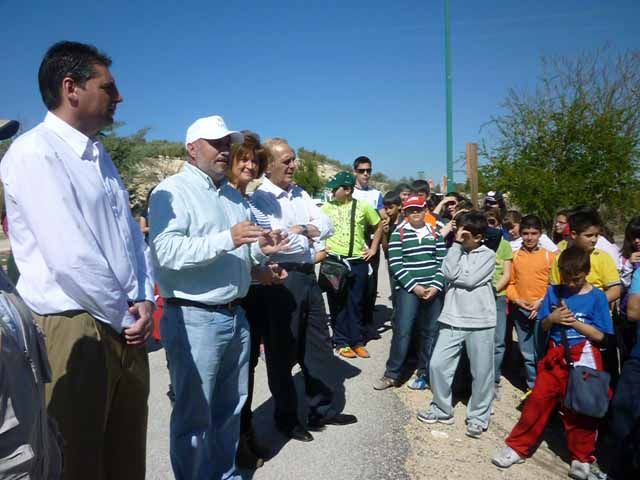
98,396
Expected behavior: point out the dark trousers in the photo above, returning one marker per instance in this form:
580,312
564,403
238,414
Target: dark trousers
346,307
295,331
369,301
424,315
252,304
625,422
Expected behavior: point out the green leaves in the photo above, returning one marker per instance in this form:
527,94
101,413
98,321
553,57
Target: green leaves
574,141
130,152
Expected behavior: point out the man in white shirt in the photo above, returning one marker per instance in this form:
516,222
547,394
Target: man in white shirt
363,192
84,267
204,245
295,319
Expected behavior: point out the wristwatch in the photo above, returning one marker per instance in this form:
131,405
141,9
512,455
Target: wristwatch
305,230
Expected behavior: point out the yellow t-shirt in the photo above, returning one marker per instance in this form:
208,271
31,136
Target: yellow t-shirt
340,215
603,273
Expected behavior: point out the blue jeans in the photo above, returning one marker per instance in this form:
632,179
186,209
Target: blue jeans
625,418
501,332
529,340
208,355
412,310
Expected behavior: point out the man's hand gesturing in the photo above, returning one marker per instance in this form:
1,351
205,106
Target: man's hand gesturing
273,242
245,232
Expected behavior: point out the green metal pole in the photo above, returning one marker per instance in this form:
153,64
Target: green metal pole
447,67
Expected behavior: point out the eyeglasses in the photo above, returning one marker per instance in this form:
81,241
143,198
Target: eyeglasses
363,170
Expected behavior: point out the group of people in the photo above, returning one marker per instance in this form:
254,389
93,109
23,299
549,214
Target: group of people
237,272
464,278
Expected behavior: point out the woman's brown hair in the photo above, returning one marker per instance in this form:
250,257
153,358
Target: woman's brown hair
250,146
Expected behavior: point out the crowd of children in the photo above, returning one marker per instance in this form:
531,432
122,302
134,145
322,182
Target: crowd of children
462,278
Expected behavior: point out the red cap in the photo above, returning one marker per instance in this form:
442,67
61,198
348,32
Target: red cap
414,201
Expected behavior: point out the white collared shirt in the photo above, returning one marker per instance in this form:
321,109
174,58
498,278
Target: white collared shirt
420,232
370,195
190,222
73,237
286,209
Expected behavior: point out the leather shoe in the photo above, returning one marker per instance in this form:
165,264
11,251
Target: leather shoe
317,423
297,432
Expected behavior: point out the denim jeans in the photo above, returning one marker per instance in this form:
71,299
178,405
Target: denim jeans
410,311
208,354
529,341
501,332
625,416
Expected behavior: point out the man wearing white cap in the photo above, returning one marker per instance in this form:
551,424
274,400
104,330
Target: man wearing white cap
204,245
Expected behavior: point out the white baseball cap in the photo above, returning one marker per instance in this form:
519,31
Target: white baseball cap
211,128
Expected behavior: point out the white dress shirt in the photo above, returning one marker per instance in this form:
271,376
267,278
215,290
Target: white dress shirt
286,209
72,234
190,222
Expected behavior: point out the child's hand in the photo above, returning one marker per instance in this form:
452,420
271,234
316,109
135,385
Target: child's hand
448,228
419,291
523,304
562,315
429,293
635,257
462,234
534,307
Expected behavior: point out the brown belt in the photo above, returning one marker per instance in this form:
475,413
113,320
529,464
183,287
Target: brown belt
182,302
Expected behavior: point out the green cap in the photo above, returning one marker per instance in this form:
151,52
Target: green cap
341,179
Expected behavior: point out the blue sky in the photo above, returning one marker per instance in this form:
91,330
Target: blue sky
343,77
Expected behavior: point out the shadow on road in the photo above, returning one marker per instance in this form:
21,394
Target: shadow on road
333,374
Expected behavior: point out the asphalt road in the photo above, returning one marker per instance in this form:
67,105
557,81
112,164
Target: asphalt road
374,448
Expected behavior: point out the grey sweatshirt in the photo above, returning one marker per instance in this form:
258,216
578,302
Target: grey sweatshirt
469,301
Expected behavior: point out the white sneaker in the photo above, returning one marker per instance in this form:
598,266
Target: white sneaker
506,457
579,470
429,416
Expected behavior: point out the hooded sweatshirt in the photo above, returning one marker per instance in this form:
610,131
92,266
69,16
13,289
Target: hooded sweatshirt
469,301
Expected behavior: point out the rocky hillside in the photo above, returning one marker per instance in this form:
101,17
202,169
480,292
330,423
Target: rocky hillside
154,169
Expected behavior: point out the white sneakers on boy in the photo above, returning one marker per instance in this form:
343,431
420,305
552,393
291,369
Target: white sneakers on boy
506,457
429,416
474,430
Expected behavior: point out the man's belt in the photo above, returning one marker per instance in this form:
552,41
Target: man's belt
298,267
183,302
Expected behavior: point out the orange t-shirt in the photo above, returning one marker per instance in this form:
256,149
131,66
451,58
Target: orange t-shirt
530,274
430,219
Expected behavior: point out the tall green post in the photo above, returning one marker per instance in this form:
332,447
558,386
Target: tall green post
447,67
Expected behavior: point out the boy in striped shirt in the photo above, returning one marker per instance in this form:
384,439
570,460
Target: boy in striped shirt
415,258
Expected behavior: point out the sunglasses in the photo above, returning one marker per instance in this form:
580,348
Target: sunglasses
413,210
363,170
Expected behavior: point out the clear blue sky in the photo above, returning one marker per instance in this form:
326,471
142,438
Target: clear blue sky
343,77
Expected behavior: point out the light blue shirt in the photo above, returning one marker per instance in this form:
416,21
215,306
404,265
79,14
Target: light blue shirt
190,222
